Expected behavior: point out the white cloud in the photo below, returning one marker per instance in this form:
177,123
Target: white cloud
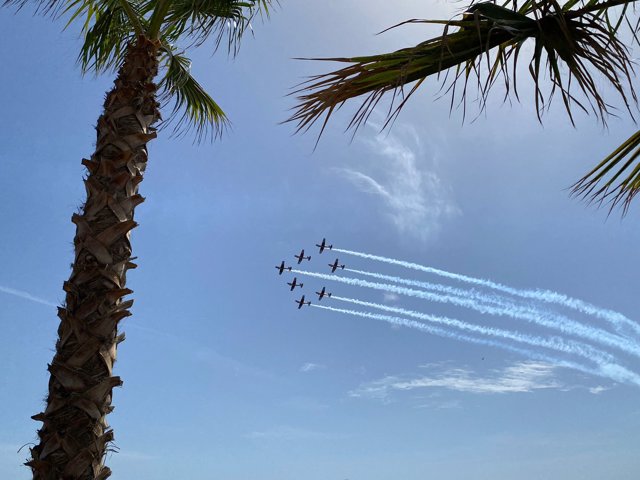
519,378
310,367
405,181
599,389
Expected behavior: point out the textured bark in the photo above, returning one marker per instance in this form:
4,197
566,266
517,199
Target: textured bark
75,435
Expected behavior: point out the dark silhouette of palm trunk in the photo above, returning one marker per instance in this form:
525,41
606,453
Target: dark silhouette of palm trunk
75,435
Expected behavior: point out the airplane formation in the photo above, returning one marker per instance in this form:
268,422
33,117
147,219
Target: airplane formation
322,246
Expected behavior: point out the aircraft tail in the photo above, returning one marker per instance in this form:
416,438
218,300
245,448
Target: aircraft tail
328,295
301,285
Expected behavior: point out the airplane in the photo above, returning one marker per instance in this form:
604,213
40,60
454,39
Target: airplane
295,283
323,293
302,257
323,245
301,302
335,265
282,268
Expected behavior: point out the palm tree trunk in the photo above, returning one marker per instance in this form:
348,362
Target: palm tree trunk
75,435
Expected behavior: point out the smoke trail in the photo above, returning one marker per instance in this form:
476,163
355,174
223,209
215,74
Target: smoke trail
548,296
502,302
26,296
610,371
557,322
437,287
552,343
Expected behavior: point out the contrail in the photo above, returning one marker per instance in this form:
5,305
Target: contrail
547,296
26,296
500,301
438,287
557,322
610,371
552,343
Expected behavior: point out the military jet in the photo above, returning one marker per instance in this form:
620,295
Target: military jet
302,257
295,283
323,293
282,268
323,245
335,266
301,302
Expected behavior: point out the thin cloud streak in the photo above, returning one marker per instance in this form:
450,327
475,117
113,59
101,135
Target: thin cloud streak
523,377
310,367
26,296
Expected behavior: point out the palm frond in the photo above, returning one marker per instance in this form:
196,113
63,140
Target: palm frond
107,26
216,19
107,31
376,75
44,7
605,185
193,107
581,44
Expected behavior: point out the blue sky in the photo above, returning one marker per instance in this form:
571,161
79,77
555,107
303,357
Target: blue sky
223,377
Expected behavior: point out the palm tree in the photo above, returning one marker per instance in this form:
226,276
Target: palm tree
484,44
136,38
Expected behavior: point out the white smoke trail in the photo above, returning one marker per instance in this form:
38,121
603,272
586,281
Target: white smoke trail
611,371
437,287
547,296
500,301
26,296
546,319
552,343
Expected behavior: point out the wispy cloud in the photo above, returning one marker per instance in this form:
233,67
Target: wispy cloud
520,378
26,296
310,367
406,181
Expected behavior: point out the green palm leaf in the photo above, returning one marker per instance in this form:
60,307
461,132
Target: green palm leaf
107,32
570,47
193,107
203,19
603,184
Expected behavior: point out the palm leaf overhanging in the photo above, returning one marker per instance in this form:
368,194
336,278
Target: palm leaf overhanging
572,42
